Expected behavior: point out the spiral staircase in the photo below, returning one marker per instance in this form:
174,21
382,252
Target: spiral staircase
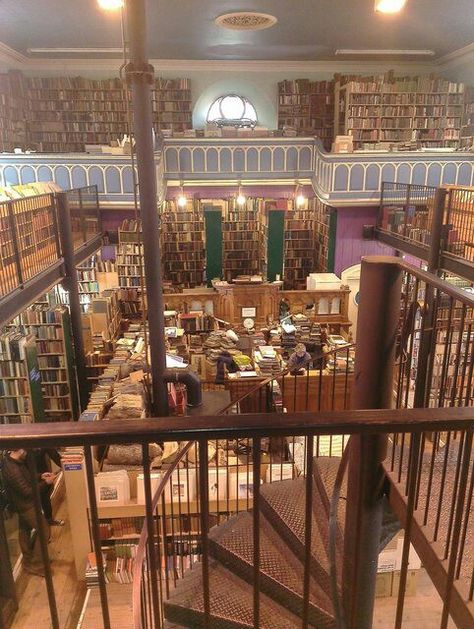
282,555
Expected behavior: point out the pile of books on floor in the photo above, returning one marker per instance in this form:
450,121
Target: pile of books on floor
267,360
92,572
303,327
248,279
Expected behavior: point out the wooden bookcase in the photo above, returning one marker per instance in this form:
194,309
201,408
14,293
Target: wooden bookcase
322,230
13,111
172,104
467,129
308,107
21,398
299,245
51,329
379,111
183,243
62,114
244,239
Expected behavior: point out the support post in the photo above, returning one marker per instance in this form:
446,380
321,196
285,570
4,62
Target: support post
437,221
140,76
380,290
70,283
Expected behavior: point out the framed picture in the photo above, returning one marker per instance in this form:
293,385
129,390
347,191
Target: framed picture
249,312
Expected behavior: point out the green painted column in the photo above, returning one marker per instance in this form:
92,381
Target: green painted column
275,243
332,241
213,226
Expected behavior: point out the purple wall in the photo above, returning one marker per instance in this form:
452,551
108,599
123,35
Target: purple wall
224,192
350,246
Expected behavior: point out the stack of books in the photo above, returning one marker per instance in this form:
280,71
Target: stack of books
267,360
92,573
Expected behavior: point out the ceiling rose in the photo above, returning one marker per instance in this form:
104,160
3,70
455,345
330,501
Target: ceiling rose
246,21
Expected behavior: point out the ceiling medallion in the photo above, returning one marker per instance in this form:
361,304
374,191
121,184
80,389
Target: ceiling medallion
246,21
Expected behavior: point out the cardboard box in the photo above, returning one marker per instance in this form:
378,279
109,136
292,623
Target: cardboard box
112,488
412,578
383,584
154,478
218,484
181,486
343,144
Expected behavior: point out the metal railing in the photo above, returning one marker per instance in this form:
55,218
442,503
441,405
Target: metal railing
30,239
439,222
407,211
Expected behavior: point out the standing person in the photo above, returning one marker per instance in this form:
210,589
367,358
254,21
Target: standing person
17,481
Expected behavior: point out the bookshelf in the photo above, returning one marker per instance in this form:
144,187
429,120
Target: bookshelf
12,111
21,398
244,233
51,329
379,111
322,229
183,243
130,266
299,245
172,104
467,129
308,107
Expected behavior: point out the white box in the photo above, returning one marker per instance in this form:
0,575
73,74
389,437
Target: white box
323,281
218,481
154,478
112,488
181,486
241,485
278,471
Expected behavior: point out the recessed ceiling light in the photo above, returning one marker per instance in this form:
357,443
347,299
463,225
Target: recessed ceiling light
110,5
392,53
246,21
389,6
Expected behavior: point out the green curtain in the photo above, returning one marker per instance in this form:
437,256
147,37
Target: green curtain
275,246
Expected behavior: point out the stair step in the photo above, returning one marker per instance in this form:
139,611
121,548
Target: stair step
231,603
283,505
281,573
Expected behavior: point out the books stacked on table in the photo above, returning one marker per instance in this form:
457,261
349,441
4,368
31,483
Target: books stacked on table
267,360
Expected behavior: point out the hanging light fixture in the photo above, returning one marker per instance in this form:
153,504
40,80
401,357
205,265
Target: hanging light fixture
389,6
181,200
241,198
110,5
300,199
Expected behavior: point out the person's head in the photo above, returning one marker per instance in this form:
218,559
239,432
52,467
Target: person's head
300,350
18,455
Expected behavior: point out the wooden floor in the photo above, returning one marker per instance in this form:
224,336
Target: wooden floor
33,609
120,608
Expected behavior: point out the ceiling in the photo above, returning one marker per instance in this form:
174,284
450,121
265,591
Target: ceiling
185,29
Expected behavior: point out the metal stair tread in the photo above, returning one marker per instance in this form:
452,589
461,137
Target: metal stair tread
231,602
287,501
233,541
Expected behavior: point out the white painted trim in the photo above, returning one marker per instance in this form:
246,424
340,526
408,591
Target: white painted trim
9,55
456,54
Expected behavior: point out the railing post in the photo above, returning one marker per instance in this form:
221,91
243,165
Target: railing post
70,282
380,291
437,222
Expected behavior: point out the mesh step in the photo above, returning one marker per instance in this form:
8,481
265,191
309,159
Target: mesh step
281,573
231,603
283,505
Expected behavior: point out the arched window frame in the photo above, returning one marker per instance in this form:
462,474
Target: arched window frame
216,115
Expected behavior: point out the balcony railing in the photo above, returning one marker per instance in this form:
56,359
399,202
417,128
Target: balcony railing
410,214
31,248
337,179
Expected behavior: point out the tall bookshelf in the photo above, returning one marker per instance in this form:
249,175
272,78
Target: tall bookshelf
467,129
322,235
87,282
385,110
172,104
130,266
308,107
63,114
21,398
183,243
13,112
244,239
50,326
299,245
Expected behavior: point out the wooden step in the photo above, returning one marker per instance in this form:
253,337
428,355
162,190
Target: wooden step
231,603
281,572
283,505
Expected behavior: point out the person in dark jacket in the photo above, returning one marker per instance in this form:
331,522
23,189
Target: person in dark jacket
42,466
17,480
